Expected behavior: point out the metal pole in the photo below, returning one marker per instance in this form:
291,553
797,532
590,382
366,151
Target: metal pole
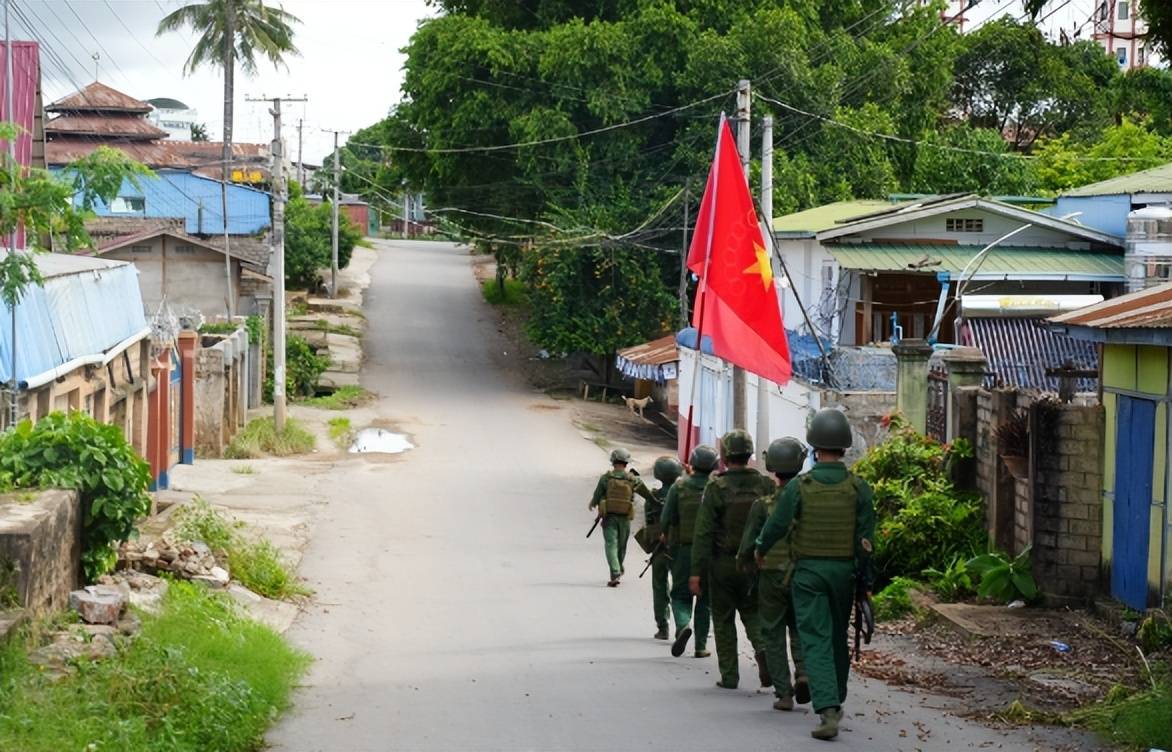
739,395
762,436
684,262
8,103
334,257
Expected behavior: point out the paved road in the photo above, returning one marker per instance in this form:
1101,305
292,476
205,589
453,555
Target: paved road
458,606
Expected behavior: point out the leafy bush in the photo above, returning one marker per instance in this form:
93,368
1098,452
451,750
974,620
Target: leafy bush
309,239
895,600
951,583
75,451
260,439
303,369
200,676
922,520
1004,579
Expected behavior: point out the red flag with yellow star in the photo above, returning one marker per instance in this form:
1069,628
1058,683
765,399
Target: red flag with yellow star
737,304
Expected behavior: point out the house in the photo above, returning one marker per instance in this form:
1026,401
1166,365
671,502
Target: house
654,367
1135,334
185,271
172,116
83,343
1122,32
1106,204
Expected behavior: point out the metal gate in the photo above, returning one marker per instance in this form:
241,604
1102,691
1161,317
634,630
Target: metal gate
938,404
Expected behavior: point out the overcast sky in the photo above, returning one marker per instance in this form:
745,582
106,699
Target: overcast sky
349,67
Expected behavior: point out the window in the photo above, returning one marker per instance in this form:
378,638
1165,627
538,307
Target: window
964,224
186,249
1139,56
1121,55
140,249
128,205
1122,10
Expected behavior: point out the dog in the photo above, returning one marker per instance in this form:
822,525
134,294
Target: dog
637,405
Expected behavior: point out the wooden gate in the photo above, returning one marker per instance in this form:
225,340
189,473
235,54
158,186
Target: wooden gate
938,404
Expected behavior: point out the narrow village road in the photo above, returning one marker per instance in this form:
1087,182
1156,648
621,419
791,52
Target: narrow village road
458,605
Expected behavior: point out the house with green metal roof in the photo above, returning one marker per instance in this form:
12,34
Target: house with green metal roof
872,271
1106,204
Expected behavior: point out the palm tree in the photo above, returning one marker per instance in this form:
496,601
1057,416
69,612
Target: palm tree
231,31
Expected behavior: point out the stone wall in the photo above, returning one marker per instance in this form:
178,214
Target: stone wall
40,548
222,366
866,411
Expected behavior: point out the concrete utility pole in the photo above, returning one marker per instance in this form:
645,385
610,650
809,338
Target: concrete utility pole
406,213
762,436
11,115
226,148
300,164
740,396
278,241
684,262
334,257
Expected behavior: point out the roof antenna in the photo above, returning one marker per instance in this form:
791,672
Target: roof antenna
96,57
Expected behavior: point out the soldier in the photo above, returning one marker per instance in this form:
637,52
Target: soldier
719,528
833,519
784,459
614,496
679,525
666,470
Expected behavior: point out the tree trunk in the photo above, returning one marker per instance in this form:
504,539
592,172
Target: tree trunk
226,156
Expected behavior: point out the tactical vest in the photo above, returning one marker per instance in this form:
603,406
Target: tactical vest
740,492
653,509
781,555
826,525
688,500
620,490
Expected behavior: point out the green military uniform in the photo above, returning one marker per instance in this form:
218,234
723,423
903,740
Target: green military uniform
833,519
679,523
775,604
667,470
614,496
719,527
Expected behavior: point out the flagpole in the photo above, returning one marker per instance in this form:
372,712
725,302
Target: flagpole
702,292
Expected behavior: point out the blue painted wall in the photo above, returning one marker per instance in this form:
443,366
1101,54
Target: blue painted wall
1104,213
178,194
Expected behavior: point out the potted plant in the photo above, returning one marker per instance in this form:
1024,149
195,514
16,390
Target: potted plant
1013,442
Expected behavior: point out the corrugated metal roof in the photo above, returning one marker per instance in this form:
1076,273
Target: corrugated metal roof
1008,262
653,361
1019,350
824,217
86,306
121,126
203,157
1146,309
97,97
1152,180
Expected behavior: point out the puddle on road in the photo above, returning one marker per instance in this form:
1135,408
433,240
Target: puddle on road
380,441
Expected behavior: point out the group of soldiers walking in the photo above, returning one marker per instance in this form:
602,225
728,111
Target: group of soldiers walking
788,552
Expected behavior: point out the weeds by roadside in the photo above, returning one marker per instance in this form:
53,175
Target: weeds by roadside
342,398
244,469
199,676
343,329
341,432
514,292
260,438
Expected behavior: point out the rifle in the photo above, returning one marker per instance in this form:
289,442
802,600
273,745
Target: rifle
596,521
659,549
864,619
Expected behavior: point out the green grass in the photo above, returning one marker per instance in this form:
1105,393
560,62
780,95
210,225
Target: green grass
343,329
260,439
244,469
219,327
514,293
200,676
199,521
341,432
342,398
259,566
1140,721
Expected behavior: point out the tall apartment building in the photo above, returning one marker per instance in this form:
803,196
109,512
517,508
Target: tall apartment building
1121,31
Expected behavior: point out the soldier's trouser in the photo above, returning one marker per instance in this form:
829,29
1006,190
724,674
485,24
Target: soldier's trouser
660,569
732,591
777,618
615,532
681,597
823,593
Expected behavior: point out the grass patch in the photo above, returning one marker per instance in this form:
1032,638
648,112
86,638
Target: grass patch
1137,721
341,432
342,398
244,469
199,521
344,329
260,439
514,292
200,676
298,307
219,327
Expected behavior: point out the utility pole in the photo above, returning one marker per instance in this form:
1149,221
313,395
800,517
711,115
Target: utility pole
767,219
226,150
739,395
406,213
300,164
684,262
334,257
278,240
11,115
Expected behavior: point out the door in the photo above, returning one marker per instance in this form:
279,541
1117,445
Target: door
1135,444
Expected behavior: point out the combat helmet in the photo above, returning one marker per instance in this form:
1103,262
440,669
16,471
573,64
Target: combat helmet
704,459
829,430
785,456
736,442
667,469
620,455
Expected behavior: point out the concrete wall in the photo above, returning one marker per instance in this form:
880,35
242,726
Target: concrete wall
222,367
40,548
186,275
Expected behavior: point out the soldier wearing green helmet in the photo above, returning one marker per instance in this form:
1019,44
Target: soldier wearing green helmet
666,470
831,515
679,527
719,528
785,459
614,498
